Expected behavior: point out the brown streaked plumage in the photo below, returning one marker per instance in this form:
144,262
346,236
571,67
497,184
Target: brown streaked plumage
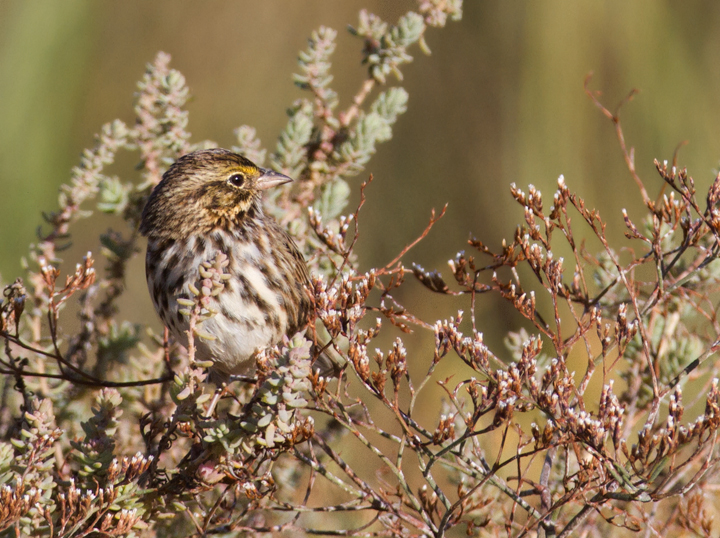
209,202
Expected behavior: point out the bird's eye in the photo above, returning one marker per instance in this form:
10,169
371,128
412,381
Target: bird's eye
236,180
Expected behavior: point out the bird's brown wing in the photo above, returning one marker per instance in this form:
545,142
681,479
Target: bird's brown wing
324,362
300,304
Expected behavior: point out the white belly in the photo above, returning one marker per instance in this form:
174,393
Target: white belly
240,326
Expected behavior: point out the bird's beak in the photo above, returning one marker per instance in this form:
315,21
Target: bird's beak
270,179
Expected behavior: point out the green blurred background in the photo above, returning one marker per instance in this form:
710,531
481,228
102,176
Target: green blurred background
500,100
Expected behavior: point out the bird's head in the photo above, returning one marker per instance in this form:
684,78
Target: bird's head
204,190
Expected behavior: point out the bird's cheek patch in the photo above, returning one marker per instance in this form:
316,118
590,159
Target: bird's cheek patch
243,199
